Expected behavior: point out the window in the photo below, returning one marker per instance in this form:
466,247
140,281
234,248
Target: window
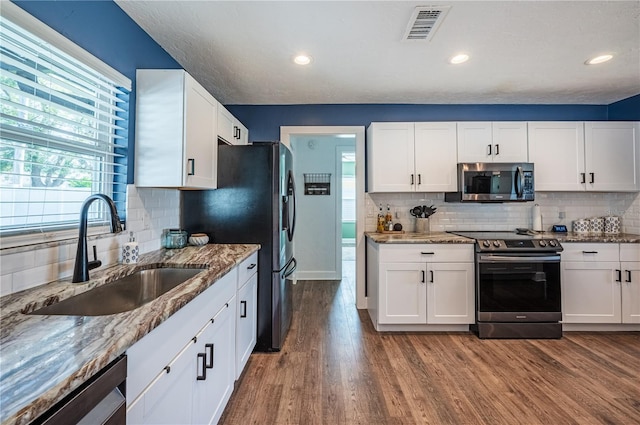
63,130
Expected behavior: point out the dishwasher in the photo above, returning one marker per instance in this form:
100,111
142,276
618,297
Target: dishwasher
100,400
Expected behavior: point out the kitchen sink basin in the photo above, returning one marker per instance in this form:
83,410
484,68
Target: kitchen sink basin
124,294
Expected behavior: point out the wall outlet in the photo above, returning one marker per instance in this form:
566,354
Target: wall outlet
562,215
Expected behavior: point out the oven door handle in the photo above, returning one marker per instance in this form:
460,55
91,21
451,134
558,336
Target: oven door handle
492,258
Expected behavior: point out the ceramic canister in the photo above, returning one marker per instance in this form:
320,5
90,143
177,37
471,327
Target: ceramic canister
580,226
612,224
596,224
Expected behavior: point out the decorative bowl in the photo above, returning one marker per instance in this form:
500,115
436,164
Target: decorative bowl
198,239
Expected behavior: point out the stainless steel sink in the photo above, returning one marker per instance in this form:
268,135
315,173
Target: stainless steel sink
121,295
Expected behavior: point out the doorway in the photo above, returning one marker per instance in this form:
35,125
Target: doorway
312,137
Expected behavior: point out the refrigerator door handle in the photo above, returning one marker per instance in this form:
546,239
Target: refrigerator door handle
291,192
291,267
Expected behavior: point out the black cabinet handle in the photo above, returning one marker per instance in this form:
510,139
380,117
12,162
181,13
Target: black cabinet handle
202,377
252,266
619,273
243,306
628,272
419,178
583,178
209,364
427,253
593,177
191,165
422,280
497,149
589,252
489,146
412,179
431,271
167,369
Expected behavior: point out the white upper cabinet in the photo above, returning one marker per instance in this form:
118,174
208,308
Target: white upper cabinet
411,157
230,129
556,149
391,157
492,141
176,141
592,156
435,156
612,156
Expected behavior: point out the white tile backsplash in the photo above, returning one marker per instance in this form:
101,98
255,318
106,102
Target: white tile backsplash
507,216
148,212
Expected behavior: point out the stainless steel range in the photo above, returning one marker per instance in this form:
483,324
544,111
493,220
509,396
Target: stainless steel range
517,285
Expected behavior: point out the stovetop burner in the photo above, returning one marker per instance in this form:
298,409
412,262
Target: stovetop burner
505,241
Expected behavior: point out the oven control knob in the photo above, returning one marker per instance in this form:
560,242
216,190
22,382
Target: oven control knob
486,244
496,244
553,243
542,243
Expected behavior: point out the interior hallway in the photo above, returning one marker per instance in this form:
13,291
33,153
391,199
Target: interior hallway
336,369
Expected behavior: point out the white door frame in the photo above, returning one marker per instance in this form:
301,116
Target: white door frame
285,137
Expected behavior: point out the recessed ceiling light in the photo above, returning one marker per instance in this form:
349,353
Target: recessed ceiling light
457,59
302,59
599,59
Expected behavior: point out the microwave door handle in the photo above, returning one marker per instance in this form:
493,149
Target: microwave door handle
519,182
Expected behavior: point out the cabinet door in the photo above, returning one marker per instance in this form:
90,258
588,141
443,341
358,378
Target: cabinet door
630,292
402,293
246,324
168,399
475,142
590,293
450,293
557,151
200,144
390,151
435,157
225,125
612,156
215,366
510,141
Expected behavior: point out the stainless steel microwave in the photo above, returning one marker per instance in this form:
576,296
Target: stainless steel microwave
494,182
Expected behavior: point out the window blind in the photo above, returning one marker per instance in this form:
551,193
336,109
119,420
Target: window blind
63,135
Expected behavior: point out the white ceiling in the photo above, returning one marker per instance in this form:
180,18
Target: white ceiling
522,52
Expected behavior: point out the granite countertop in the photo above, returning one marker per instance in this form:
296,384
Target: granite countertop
410,237
43,358
444,237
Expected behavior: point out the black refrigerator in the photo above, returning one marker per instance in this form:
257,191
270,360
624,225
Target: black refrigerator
254,203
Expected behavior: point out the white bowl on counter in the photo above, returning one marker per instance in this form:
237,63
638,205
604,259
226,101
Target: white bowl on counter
198,239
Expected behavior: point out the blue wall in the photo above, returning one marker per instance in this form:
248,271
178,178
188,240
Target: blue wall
264,121
104,30
625,110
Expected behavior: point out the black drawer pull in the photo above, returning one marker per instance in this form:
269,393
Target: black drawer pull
427,253
252,266
619,273
589,252
628,272
202,377
422,280
431,271
243,306
191,164
583,178
209,364
593,177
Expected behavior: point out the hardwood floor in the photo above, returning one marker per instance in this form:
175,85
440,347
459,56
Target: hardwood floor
336,369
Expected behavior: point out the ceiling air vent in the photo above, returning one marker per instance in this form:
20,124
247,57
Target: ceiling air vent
424,22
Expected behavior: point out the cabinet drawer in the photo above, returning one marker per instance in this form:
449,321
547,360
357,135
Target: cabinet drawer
422,253
630,252
247,268
590,252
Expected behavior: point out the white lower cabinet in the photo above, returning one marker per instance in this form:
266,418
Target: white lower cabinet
420,284
598,285
246,312
183,372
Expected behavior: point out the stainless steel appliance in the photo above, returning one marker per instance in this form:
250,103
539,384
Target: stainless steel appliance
517,285
494,182
254,203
